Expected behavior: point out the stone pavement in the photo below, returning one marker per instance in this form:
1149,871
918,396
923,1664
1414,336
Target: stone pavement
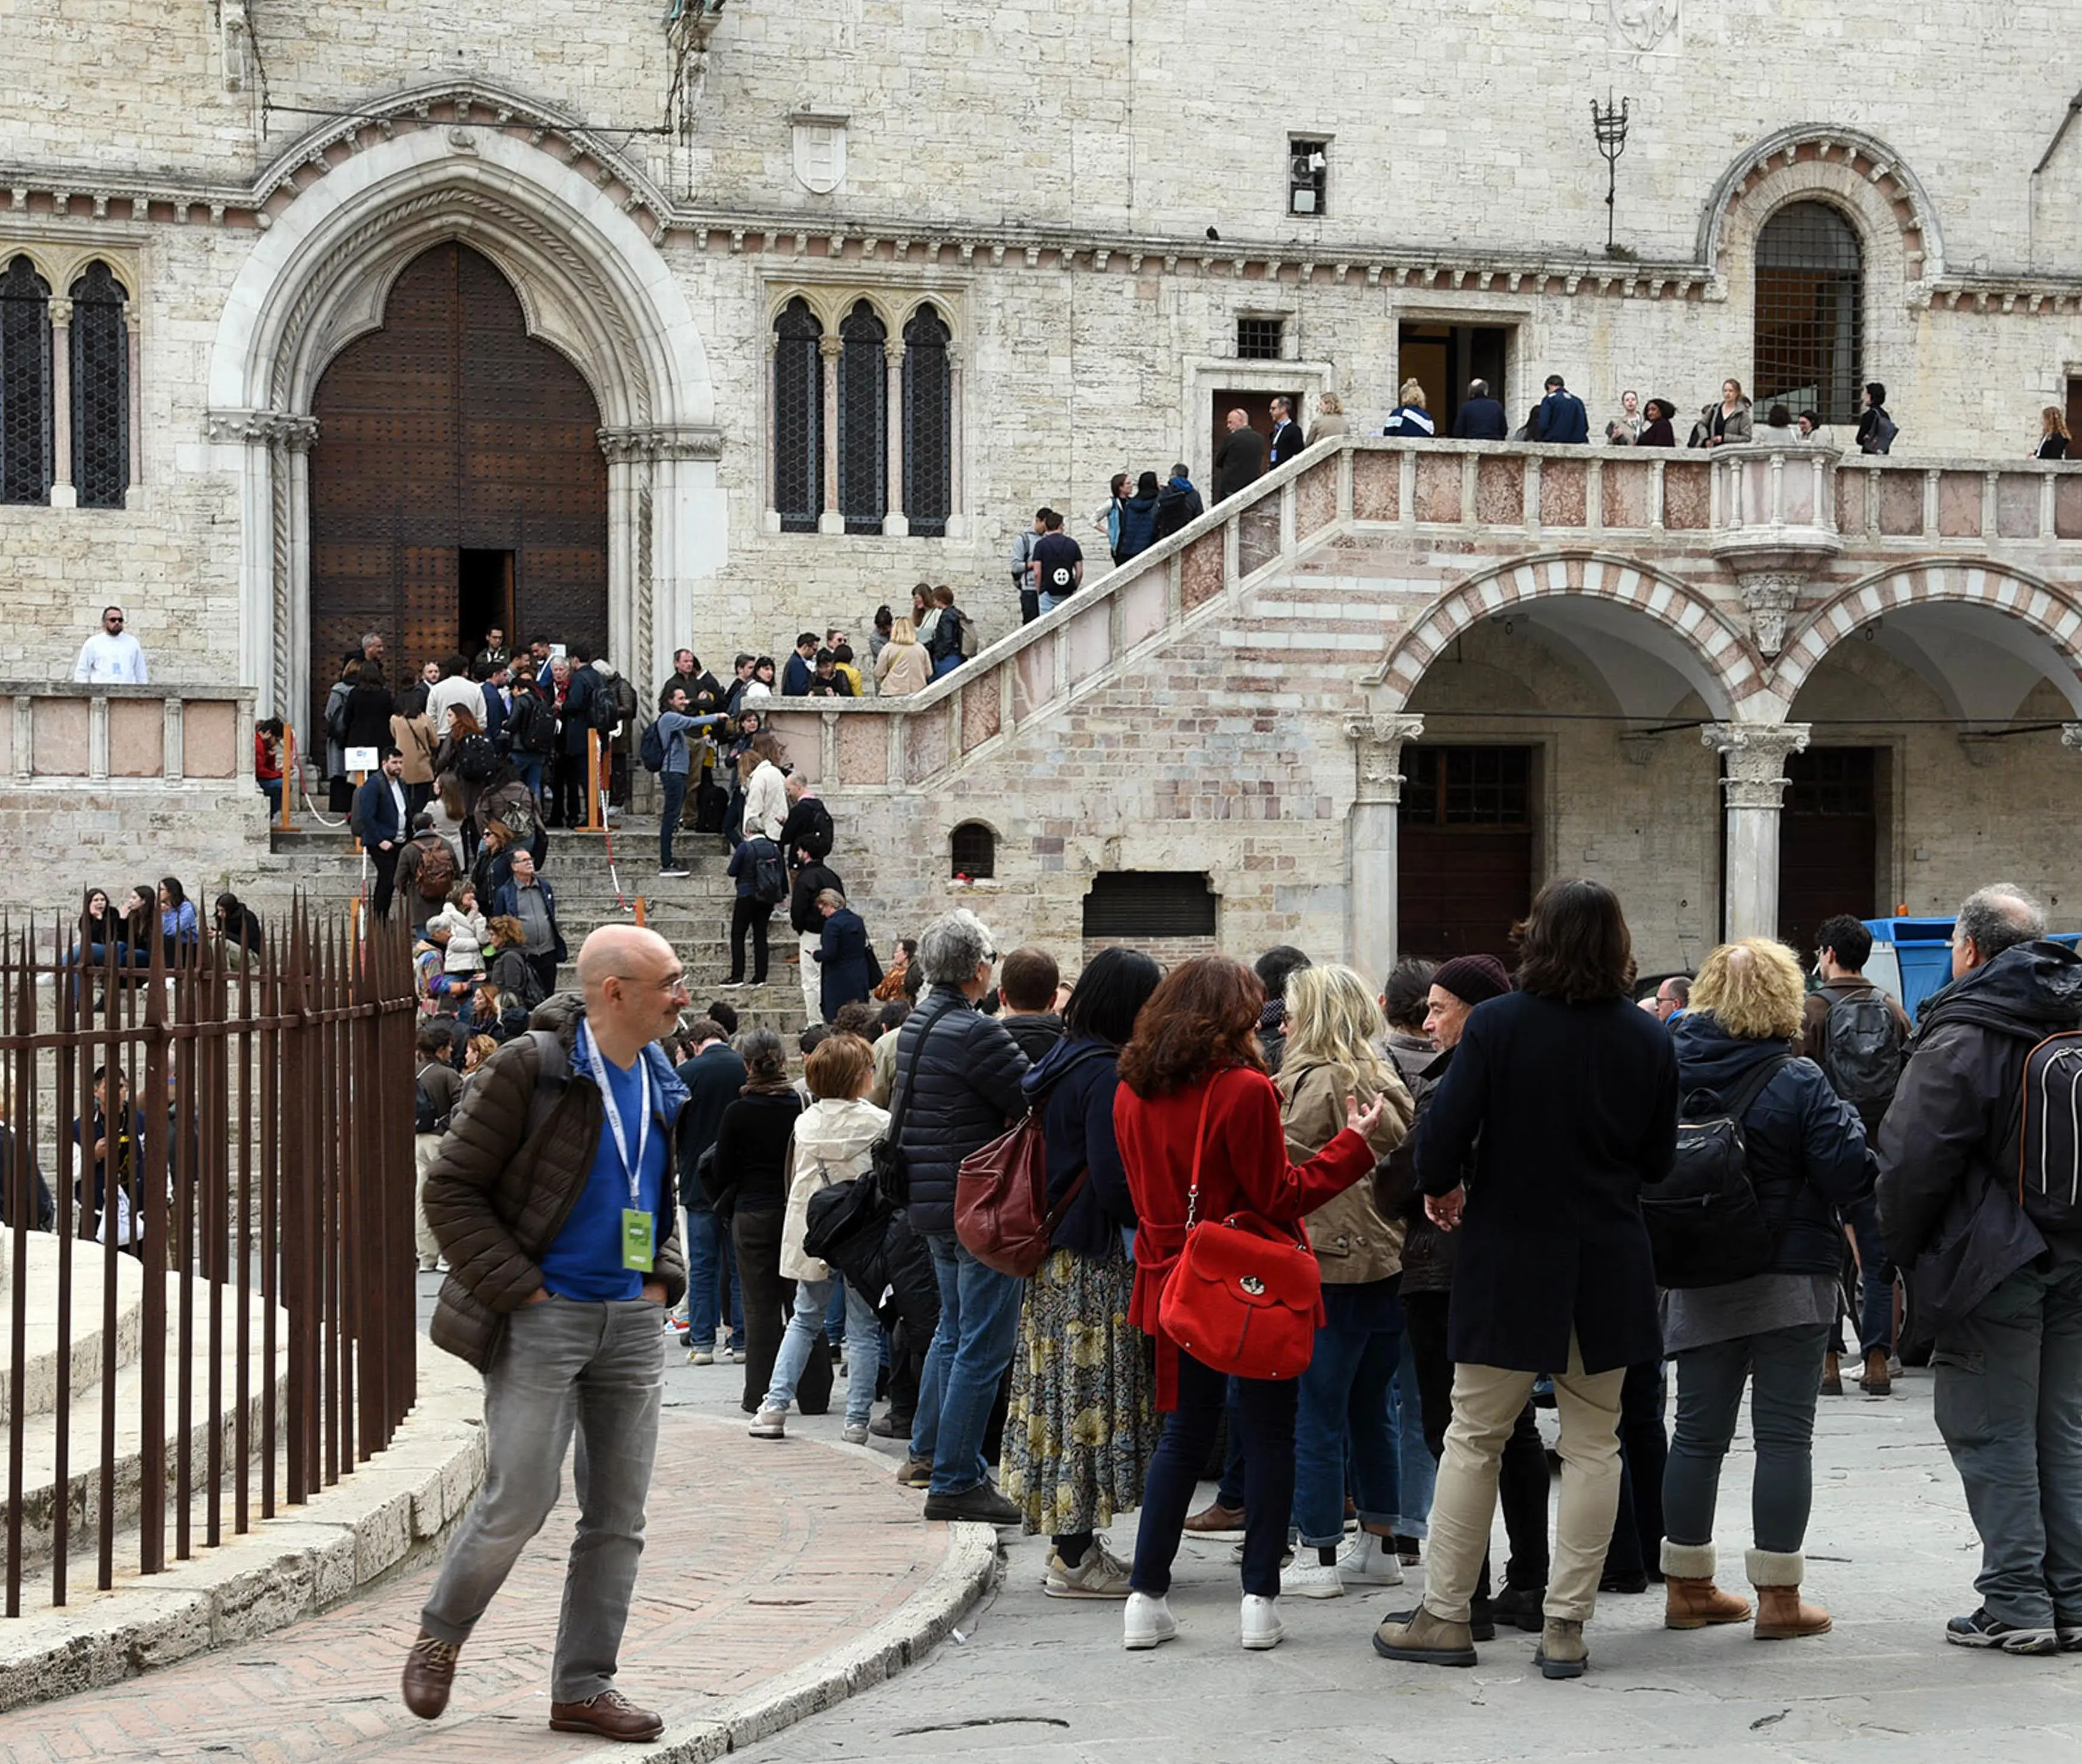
1037,1680
761,1560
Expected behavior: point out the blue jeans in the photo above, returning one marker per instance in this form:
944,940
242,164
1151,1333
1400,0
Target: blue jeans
1050,602
971,1348
1265,1414
838,1315
711,1273
1344,1399
812,1300
1419,1469
2009,1405
272,789
676,799
1875,1282
1783,1368
529,766
947,664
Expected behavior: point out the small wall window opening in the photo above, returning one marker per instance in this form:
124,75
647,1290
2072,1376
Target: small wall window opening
1260,339
1150,903
1309,180
972,851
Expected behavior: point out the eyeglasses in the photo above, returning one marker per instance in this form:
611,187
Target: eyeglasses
990,955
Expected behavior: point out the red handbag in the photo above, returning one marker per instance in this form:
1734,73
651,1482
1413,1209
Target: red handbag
1242,1297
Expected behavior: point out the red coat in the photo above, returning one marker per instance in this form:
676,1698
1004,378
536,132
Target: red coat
1244,1169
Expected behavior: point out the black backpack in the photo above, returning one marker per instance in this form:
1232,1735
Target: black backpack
1864,1057
2050,1152
650,750
476,760
1704,1225
533,726
770,875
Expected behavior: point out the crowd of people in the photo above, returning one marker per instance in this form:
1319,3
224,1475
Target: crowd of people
1362,1236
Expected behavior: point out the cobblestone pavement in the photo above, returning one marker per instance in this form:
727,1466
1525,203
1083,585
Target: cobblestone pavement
1891,1554
760,1557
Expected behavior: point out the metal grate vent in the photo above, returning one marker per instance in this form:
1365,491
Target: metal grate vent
1150,903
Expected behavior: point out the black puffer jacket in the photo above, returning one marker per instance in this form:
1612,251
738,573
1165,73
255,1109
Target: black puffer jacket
968,1090
1427,1253
1807,1156
1956,1111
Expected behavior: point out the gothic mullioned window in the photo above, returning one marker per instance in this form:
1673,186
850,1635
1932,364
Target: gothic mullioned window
25,384
929,405
798,419
1811,284
863,420
100,369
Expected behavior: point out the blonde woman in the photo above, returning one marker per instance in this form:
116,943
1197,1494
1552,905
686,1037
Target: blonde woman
1807,1160
1729,422
1409,420
1329,417
1335,1031
902,667
2053,435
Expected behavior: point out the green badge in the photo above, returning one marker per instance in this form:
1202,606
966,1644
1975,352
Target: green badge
638,1250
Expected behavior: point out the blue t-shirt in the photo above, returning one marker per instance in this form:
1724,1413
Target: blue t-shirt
585,1262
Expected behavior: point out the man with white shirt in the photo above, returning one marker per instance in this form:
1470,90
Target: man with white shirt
112,657
455,687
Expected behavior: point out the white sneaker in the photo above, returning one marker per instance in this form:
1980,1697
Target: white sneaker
1100,1575
1371,1561
1262,1627
1146,1621
1309,1578
769,1424
703,1356
855,1433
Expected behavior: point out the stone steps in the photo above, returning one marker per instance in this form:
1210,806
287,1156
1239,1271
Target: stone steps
43,1362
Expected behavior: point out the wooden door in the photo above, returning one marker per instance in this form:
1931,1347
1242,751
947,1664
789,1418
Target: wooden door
1464,867
449,429
1828,842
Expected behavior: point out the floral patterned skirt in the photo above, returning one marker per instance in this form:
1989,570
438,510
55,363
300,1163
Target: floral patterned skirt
1082,1424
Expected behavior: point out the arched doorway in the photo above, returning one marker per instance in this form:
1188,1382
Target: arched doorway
456,482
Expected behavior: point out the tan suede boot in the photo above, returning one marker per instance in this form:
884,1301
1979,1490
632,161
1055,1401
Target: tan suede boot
1876,1380
1781,1614
1691,1600
1832,1376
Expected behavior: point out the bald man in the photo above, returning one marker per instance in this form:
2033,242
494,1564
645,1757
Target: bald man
1241,458
555,1198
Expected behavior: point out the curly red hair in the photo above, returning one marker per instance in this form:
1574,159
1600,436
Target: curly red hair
1201,1019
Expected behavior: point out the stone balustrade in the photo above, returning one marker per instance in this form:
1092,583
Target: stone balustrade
1756,508
118,738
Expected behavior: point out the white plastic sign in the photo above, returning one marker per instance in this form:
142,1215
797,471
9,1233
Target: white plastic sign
363,759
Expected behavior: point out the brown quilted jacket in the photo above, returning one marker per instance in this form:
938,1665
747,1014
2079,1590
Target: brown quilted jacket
511,1167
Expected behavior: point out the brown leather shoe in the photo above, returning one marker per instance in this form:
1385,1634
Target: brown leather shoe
1876,1380
429,1675
1217,1520
610,1715
1832,1376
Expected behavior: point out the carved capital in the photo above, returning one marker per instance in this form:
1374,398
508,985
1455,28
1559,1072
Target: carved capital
282,429
892,352
831,346
1379,741
2071,735
673,441
1756,760
60,309
1770,597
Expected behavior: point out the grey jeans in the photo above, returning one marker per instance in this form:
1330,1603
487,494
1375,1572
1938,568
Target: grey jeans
2009,1405
1783,1368
561,1364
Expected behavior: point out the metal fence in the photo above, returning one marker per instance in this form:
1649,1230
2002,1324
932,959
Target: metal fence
222,1142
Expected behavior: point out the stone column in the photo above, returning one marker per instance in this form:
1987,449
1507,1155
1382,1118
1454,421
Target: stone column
958,521
831,520
136,401
1372,838
1754,788
2071,735
64,493
895,521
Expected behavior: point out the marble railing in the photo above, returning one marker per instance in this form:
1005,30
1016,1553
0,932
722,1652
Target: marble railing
1752,506
116,737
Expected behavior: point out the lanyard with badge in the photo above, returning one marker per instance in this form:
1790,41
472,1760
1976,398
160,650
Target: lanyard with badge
638,1227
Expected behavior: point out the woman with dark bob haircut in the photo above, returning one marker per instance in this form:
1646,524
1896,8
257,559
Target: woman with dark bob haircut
1565,1097
1195,1108
1083,1418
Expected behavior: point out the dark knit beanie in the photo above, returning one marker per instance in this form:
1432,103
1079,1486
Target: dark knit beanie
1472,979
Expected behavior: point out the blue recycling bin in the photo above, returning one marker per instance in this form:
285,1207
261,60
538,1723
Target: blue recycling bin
1923,954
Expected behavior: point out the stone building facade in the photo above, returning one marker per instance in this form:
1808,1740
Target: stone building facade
852,286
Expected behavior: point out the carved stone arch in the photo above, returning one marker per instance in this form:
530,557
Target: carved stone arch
780,296
590,284
904,304
1726,667
43,259
122,270
1865,176
2032,600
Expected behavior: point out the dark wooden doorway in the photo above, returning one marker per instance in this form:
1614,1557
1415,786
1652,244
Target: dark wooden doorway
1444,358
456,482
1257,405
1465,869
1828,849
